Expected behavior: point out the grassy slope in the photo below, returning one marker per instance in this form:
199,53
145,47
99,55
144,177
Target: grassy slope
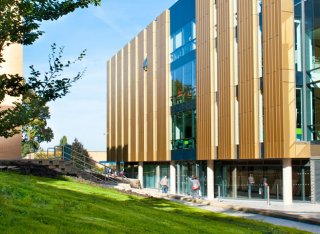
40,205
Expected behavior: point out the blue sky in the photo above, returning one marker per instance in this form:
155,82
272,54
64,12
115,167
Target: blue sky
102,31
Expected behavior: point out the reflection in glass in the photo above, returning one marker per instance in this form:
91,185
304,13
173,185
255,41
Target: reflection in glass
307,66
312,52
251,181
184,172
183,41
184,130
184,83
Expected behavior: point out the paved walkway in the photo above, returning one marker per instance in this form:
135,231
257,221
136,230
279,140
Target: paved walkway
303,216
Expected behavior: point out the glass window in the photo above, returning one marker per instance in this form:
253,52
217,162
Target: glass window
251,180
188,124
187,81
178,40
177,85
301,189
178,126
299,113
149,176
193,25
184,130
183,41
187,169
307,29
184,83
194,80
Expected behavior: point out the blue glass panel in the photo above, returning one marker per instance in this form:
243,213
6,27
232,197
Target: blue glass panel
181,13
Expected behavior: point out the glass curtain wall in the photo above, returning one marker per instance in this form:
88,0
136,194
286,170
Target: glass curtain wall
149,176
184,83
307,65
131,170
153,173
251,180
183,41
185,170
301,189
184,130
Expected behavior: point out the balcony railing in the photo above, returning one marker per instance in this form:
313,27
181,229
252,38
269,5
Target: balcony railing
183,50
186,143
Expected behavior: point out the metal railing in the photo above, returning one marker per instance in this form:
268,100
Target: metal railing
253,191
87,165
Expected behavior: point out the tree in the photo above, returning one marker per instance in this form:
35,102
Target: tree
36,132
80,155
20,22
63,141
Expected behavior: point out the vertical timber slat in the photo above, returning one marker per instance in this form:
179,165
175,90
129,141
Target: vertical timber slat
205,80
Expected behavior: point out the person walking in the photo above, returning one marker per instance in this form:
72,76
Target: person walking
250,184
195,188
164,183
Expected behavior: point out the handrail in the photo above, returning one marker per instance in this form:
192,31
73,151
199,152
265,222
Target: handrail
84,165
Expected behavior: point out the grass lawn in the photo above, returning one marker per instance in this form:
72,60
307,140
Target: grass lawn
31,204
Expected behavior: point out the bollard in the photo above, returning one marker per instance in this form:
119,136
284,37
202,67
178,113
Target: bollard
277,192
219,192
268,195
105,173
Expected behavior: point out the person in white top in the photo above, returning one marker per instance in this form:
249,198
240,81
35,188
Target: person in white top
164,184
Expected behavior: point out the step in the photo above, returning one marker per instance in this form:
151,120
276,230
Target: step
124,185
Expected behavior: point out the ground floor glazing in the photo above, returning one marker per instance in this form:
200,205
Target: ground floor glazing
239,179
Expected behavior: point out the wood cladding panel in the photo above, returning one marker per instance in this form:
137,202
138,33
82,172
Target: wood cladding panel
163,86
137,99
113,100
226,87
205,80
248,79
278,79
142,113
126,104
119,97
134,99
151,92
109,109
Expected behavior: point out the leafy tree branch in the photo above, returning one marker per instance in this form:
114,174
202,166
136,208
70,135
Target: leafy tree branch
20,22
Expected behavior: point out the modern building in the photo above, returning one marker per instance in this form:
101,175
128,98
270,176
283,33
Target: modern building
226,90
11,148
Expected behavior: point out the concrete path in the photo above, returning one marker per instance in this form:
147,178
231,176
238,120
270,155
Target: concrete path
268,219
302,216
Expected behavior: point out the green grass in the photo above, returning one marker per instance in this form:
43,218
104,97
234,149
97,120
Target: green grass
31,204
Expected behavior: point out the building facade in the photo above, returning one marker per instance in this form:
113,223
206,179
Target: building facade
10,148
226,90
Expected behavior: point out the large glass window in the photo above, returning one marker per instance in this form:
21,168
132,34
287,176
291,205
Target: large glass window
251,180
184,172
149,176
301,189
184,130
312,51
184,83
183,41
307,65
